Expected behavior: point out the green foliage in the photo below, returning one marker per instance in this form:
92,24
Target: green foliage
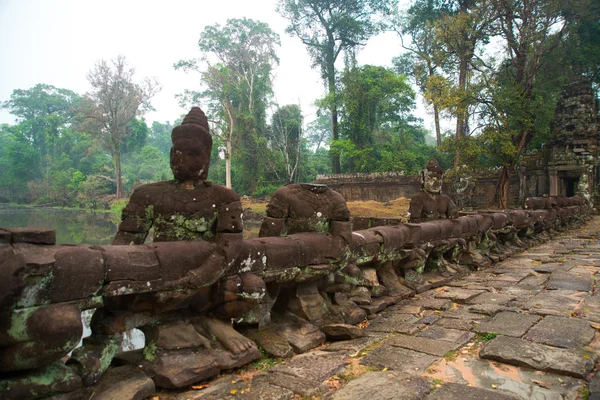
265,362
486,337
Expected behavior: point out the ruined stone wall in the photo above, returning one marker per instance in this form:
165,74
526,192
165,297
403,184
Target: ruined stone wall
389,186
377,186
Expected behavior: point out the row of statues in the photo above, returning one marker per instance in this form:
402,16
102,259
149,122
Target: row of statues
205,296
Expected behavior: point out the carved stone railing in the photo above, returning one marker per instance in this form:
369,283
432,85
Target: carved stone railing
160,288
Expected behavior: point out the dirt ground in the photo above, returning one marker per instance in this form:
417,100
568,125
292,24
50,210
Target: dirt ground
255,209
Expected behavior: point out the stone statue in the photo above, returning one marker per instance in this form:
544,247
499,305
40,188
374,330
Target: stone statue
191,208
430,203
306,208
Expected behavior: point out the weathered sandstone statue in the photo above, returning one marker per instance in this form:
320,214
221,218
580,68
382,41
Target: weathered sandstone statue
430,203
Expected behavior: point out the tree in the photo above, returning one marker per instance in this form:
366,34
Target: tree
114,101
236,67
328,27
285,139
531,30
373,99
420,62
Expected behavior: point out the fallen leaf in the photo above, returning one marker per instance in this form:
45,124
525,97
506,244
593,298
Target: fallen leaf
539,383
494,386
198,387
233,391
560,380
595,325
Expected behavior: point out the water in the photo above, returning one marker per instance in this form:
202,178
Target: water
71,226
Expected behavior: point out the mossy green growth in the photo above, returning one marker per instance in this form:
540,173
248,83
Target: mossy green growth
150,351
265,362
486,337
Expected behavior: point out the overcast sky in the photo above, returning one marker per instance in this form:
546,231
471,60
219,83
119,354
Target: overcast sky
57,42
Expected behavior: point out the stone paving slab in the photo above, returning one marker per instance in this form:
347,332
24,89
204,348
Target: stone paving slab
570,281
305,374
551,303
453,391
389,385
448,335
457,295
524,382
454,323
464,314
430,303
521,352
394,322
562,332
508,323
423,345
492,298
590,308
398,359
352,347
230,387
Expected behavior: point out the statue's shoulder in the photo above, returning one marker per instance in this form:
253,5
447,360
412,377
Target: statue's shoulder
152,189
223,194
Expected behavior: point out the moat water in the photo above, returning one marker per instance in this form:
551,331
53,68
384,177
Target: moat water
72,226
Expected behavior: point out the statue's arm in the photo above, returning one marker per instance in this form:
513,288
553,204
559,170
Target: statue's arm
452,210
136,221
277,212
415,209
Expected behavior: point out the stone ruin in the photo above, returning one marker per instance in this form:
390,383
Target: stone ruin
204,296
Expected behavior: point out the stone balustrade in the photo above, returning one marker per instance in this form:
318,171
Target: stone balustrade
319,279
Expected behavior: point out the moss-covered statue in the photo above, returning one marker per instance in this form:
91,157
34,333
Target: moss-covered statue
430,203
191,208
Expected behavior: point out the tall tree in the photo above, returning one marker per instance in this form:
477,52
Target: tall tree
328,27
115,101
285,139
420,62
532,30
44,112
236,68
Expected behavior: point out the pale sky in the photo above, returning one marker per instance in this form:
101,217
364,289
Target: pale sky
57,42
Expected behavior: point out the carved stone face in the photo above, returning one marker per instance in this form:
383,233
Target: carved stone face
189,160
432,181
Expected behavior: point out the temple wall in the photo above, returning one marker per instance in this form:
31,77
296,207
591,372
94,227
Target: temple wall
388,186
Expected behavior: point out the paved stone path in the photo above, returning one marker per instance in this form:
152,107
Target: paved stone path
526,328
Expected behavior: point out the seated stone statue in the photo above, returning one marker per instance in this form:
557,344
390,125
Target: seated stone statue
192,208
430,203
306,208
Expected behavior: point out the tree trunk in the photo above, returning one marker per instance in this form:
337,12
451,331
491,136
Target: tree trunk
228,163
118,172
501,195
436,118
330,60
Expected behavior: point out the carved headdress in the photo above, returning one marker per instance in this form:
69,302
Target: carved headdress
193,132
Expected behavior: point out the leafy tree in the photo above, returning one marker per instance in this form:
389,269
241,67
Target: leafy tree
113,103
420,62
328,27
531,30
236,69
45,111
285,141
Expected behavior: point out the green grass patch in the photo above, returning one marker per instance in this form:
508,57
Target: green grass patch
486,337
265,362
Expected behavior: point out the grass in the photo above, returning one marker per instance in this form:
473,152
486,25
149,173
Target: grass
584,393
265,362
486,337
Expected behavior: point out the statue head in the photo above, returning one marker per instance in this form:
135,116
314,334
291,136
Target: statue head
432,177
192,145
